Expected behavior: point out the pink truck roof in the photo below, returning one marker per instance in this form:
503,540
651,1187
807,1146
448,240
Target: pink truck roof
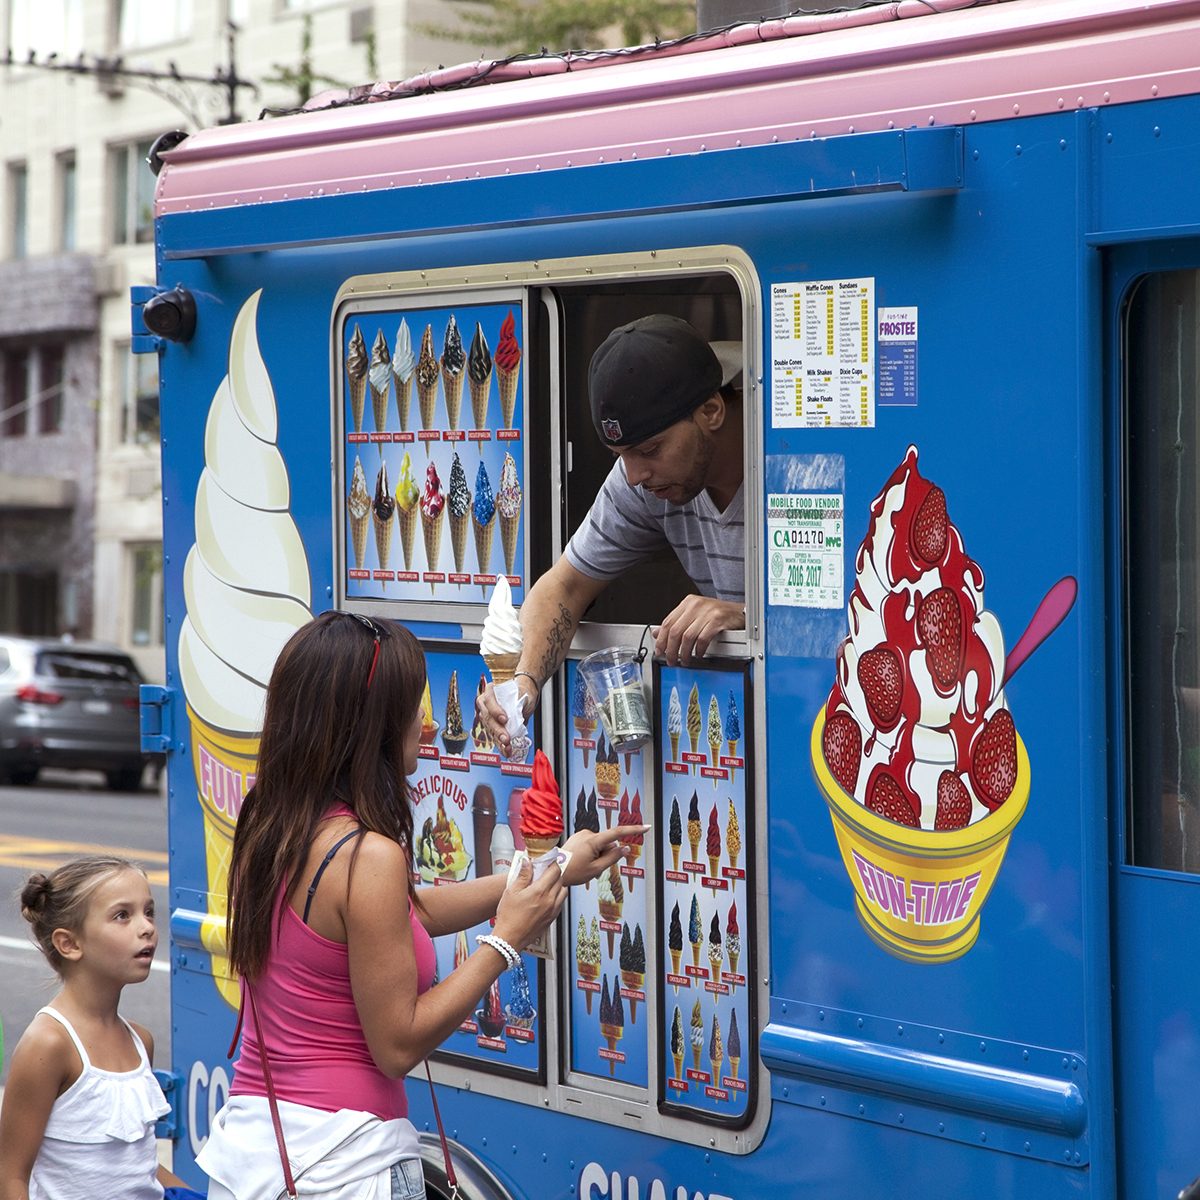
894,66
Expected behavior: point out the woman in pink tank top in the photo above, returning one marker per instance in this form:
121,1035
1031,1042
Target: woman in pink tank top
332,941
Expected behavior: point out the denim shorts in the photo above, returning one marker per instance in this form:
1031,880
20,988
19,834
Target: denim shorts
408,1180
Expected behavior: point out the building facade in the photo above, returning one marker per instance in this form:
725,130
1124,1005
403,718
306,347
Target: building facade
80,482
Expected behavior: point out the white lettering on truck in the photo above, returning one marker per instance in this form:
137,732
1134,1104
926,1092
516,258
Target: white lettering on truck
207,1089
595,1183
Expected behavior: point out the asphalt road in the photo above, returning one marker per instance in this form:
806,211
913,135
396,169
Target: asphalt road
65,814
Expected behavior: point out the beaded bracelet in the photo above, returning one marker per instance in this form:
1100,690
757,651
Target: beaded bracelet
511,957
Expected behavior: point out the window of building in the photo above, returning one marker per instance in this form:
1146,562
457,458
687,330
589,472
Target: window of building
50,387
29,601
66,201
153,22
18,208
132,194
139,413
34,387
1162,569
45,27
14,419
145,564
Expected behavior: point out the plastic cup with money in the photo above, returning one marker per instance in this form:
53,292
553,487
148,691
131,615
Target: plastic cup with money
614,680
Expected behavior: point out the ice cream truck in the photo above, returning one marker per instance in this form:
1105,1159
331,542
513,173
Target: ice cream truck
918,908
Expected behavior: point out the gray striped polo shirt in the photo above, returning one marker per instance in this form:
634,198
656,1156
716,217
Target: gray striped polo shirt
627,525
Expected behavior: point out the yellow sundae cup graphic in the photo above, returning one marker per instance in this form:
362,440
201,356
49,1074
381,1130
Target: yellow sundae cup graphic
915,750
247,588
919,892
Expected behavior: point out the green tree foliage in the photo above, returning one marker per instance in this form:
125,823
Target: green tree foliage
303,76
504,27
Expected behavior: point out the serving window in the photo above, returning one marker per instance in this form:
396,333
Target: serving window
417,415
710,303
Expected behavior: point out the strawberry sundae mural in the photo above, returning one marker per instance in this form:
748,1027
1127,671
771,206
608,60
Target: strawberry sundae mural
915,750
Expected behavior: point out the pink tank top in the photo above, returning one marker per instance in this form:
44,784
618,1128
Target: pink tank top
315,1042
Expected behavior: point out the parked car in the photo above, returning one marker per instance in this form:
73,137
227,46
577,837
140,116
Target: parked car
69,704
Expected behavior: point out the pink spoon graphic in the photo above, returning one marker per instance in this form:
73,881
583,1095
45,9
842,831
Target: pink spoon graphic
1048,617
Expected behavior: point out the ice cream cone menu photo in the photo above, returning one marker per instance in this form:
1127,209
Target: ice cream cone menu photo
434,444
609,920
707,885
469,816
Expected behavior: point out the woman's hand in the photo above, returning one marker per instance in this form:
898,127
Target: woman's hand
527,907
593,853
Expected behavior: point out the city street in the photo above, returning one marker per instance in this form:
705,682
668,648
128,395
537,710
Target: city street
63,815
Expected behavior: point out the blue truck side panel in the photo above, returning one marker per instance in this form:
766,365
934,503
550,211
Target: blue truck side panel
1011,422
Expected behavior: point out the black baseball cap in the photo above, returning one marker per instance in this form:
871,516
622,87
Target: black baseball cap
647,375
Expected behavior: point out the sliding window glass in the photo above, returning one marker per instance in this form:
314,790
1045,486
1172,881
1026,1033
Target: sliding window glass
1162,570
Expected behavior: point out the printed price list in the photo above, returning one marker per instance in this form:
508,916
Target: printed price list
823,354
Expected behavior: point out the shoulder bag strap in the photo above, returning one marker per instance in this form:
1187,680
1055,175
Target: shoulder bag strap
289,1182
451,1177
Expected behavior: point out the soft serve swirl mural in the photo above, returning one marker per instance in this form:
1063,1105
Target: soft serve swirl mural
247,589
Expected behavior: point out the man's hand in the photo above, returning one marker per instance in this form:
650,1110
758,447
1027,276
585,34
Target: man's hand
489,711
549,618
685,634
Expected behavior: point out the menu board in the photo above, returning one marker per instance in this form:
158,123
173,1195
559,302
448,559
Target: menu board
705,889
463,791
434,462
607,969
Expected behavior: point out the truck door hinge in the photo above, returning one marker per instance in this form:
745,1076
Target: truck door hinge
171,1126
157,717
143,341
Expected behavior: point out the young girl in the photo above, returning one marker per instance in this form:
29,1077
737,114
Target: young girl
330,939
81,1101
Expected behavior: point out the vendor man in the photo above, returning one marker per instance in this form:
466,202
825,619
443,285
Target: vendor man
668,410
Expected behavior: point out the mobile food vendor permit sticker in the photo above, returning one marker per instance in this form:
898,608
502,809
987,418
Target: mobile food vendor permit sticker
805,547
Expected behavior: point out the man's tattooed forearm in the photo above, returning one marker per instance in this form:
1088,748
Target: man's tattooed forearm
558,641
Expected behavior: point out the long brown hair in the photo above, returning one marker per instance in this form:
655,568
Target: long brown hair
327,738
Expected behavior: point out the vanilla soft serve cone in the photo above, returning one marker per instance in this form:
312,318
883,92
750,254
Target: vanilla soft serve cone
247,588
379,377
501,639
404,366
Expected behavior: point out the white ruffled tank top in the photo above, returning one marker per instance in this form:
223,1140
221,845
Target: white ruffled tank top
99,1140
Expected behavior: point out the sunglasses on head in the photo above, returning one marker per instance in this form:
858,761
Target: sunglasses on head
375,632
